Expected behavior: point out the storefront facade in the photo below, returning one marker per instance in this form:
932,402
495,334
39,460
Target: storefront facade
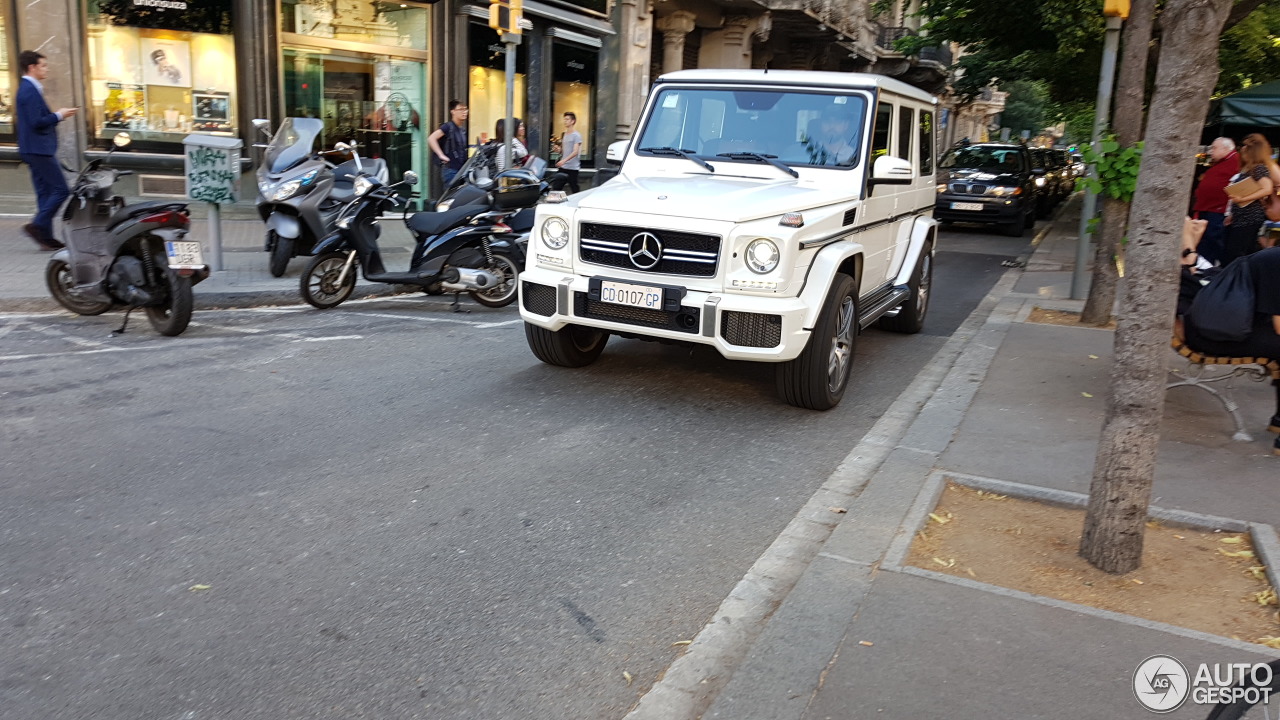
380,73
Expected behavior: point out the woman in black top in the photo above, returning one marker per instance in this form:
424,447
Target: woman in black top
1245,222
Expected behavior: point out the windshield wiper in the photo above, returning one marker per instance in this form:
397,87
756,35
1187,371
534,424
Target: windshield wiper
761,157
686,154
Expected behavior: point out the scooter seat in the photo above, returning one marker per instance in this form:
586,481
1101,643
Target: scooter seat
128,212
434,223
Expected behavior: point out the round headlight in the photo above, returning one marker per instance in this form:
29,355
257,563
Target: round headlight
362,185
555,233
1039,182
762,255
286,190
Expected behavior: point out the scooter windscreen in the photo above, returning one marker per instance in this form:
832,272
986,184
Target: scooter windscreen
292,143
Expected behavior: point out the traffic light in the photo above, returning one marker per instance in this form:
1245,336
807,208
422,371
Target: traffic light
1115,8
504,15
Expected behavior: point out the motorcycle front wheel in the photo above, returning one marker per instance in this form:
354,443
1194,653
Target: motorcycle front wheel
320,287
504,293
60,281
172,317
281,253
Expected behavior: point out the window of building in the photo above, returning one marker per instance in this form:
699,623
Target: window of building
161,72
574,77
487,87
362,67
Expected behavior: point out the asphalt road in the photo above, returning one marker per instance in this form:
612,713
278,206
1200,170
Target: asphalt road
389,510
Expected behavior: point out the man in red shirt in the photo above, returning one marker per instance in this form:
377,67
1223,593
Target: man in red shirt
1210,201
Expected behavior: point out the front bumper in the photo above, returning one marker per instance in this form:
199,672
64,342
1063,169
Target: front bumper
739,327
982,209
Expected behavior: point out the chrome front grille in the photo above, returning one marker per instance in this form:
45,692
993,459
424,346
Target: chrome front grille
682,253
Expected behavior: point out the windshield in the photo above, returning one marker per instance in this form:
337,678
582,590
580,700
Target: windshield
292,143
800,128
994,159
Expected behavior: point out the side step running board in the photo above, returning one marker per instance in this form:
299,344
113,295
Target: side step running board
881,306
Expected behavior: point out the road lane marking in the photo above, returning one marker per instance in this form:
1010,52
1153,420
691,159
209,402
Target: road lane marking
59,335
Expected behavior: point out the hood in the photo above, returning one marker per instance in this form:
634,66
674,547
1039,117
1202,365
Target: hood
710,197
979,175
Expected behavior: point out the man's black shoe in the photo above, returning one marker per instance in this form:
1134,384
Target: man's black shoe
1274,426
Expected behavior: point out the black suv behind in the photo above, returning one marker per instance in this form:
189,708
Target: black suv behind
988,183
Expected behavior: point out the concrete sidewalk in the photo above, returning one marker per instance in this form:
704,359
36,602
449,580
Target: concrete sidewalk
859,636
242,281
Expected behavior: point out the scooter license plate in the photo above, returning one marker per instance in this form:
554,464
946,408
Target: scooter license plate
184,254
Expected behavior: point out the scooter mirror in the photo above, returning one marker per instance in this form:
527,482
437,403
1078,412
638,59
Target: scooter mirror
342,147
121,139
410,178
264,125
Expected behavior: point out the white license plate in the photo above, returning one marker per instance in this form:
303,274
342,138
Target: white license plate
966,206
640,296
184,253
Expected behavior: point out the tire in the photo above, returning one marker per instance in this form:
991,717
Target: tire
910,317
58,277
818,378
319,283
1015,228
572,346
281,254
504,293
172,318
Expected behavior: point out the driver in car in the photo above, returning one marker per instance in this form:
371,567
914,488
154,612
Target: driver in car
830,145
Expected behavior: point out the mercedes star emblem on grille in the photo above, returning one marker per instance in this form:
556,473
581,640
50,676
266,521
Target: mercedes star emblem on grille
645,250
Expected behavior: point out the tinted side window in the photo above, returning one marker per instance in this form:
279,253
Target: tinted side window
926,142
906,118
880,135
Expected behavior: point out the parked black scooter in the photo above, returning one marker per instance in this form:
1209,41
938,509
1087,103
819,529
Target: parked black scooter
470,249
134,255
301,192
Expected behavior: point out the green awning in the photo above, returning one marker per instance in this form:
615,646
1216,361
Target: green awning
1259,105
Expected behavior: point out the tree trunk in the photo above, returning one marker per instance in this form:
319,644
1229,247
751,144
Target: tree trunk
1131,83
1126,462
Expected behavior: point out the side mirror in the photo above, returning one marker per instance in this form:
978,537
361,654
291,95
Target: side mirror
263,125
617,151
889,170
410,178
341,147
121,139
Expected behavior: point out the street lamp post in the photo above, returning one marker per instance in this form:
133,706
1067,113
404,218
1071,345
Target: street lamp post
1116,11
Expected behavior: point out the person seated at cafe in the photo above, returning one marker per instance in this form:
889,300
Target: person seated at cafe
1264,339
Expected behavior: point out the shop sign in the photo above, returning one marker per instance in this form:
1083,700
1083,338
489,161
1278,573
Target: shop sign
201,16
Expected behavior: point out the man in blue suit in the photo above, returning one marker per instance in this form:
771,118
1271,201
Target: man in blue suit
38,147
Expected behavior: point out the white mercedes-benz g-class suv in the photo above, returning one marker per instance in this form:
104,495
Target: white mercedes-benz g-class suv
770,214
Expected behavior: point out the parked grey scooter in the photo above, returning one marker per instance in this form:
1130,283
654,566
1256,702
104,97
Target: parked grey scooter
301,192
119,254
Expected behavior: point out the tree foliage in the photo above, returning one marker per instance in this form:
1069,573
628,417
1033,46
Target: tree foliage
1025,110
1115,168
1059,42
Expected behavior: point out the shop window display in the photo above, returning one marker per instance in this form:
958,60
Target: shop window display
574,91
487,86
162,72
393,24
6,89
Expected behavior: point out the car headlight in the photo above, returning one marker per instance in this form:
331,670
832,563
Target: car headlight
1039,182
555,233
362,185
286,190
942,187
762,256
1002,191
